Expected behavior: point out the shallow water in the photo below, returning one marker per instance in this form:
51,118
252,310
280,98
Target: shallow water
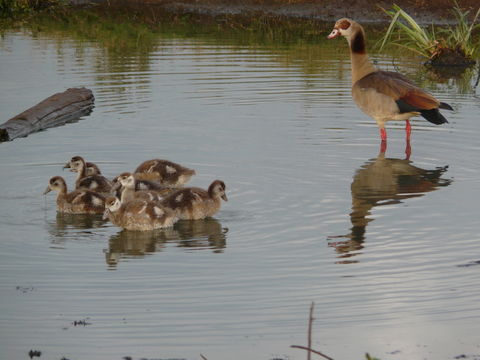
387,248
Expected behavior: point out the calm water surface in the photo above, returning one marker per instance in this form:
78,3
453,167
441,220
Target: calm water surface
387,248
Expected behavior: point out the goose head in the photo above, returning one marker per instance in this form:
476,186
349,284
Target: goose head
344,27
352,31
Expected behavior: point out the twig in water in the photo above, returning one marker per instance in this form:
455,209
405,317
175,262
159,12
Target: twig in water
309,347
203,357
310,325
311,350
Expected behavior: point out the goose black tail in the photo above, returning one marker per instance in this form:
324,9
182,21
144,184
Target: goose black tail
445,106
434,115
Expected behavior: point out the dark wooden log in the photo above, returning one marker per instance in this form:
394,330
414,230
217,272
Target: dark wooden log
55,110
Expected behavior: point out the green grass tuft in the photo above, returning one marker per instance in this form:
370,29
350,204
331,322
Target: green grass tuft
452,45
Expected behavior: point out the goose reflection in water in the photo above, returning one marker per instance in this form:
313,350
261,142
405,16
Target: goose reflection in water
74,226
193,234
383,181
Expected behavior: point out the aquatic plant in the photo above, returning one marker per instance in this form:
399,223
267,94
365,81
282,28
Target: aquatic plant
452,45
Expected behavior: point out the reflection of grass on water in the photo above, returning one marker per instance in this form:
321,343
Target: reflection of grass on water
114,35
128,26
128,29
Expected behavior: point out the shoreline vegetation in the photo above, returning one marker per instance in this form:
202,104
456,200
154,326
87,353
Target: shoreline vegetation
364,11
453,45
263,21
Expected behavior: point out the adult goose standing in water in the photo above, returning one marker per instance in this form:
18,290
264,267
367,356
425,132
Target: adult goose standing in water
384,95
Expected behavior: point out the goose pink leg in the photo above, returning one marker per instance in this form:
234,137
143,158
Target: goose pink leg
408,129
408,150
383,134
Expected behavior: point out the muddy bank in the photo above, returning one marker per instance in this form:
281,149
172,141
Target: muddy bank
322,10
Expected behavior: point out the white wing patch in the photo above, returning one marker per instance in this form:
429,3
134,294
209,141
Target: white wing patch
158,211
179,198
97,201
151,168
77,199
170,169
196,196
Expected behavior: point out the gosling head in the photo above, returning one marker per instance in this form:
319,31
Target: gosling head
217,189
127,180
76,164
56,183
112,204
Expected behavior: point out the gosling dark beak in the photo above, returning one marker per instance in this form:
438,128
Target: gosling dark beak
66,166
105,214
47,190
116,185
224,197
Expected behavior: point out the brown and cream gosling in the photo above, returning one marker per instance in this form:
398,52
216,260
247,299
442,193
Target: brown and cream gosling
140,215
92,168
384,95
195,203
165,172
80,201
131,188
97,183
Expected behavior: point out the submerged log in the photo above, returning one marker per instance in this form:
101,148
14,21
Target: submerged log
55,110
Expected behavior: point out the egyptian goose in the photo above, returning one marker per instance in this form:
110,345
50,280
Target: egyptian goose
97,183
165,172
80,201
195,203
138,214
131,188
384,95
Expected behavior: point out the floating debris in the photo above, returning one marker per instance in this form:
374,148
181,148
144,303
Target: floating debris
83,322
25,289
34,353
471,263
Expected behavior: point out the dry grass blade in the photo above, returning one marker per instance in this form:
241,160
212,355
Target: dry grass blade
311,350
310,330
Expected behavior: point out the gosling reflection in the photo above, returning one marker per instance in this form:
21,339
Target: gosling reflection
80,224
201,234
383,181
193,234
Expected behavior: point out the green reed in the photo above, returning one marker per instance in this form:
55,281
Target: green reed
433,43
